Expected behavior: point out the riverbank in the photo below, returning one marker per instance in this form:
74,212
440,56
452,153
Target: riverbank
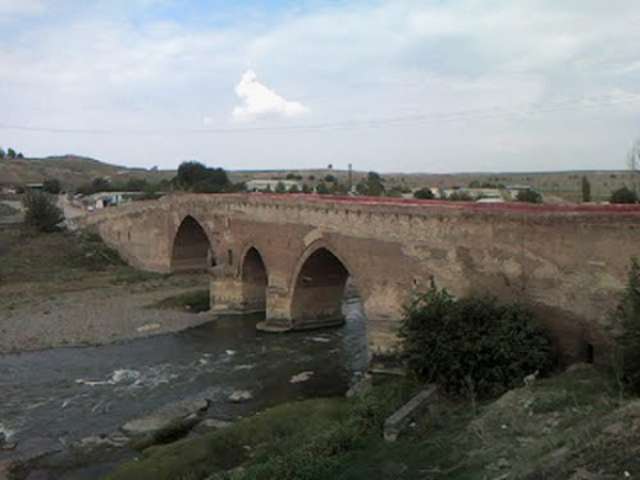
572,426
68,289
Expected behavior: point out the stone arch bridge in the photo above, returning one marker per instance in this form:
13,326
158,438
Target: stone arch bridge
292,255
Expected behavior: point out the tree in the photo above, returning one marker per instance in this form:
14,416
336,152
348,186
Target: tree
11,153
294,189
586,189
623,195
195,177
627,315
322,188
20,155
281,188
338,188
2,153
529,196
373,185
100,185
460,196
472,346
306,188
52,185
424,194
41,212
330,178
136,185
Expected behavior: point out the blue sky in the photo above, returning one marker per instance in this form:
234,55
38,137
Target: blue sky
397,85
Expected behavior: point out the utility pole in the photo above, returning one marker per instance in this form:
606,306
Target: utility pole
350,177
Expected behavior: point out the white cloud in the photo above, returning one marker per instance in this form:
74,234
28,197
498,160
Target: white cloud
21,7
260,101
508,78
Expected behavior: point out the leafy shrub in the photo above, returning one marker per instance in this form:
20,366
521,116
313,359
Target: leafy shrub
628,342
529,196
624,195
330,178
41,212
460,196
281,188
52,185
424,194
322,188
474,345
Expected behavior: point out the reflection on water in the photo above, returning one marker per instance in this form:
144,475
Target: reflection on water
63,395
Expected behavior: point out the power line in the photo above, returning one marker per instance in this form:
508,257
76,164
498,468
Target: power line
460,115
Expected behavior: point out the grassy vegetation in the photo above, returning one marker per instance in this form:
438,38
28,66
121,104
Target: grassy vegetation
547,430
196,301
35,263
310,439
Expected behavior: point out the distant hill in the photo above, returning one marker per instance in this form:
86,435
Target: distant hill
71,170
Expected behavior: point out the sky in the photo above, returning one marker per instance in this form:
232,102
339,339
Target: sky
388,85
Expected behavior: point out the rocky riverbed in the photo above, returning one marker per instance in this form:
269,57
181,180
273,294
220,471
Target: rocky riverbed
95,316
74,413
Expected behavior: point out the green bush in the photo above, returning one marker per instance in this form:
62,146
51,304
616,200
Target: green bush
472,346
628,342
624,195
52,185
41,212
424,194
529,196
460,196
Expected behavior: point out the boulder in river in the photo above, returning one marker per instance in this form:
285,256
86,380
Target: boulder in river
301,377
167,423
240,396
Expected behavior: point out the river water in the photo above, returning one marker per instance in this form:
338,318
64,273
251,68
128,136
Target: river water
51,398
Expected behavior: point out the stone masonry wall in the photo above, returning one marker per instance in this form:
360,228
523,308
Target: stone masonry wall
568,263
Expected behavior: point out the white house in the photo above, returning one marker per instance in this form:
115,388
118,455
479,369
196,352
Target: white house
271,185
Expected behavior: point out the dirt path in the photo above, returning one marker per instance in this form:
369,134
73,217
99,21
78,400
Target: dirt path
94,316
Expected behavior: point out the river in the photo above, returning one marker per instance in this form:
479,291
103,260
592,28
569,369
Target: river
51,398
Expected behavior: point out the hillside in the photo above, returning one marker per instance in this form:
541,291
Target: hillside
71,170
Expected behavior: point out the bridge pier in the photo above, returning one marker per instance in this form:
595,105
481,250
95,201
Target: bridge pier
230,295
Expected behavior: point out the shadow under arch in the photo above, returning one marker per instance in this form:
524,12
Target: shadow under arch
255,280
191,250
319,285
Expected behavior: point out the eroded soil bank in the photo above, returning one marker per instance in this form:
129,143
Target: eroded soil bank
66,289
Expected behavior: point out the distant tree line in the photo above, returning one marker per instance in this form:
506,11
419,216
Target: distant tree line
10,154
101,184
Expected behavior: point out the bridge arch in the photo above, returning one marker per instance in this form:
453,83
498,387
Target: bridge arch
255,280
191,250
318,287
